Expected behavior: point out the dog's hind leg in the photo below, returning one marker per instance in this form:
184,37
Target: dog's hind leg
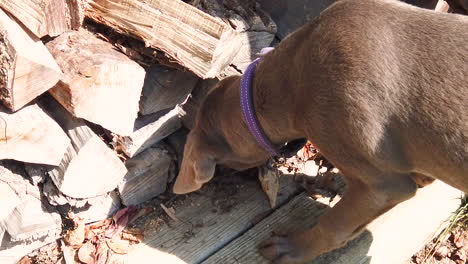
362,203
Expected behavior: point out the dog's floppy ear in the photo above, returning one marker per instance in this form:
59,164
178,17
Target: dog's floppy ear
194,172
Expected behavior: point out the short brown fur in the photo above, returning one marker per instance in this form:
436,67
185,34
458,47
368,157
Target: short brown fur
380,87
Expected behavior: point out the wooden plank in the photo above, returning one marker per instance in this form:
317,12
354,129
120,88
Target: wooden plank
390,239
41,17
100,84
89,168
30,135
209,219
27,68
202,43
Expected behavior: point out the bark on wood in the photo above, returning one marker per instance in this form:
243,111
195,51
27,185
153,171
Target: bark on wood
147,176
90,209
164,88
89,168
202,43
149,130
30,135
31,218
256,29
41,17
27,68
100,85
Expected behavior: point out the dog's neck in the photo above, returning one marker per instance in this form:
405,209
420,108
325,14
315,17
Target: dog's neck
275,114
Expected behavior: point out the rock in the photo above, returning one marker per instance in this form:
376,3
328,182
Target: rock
164,88
147,176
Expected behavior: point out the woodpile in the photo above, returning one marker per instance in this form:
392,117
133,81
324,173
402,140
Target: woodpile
95,96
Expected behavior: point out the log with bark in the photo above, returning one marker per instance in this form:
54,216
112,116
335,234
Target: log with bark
89,167
256,28
205,44
45,17
26,67
30,135
100,84
31,217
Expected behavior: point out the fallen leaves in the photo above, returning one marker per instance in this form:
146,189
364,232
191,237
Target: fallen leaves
97,243
75,237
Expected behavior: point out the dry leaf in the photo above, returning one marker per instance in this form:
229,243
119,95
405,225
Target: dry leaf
120,221
460,255
68,254
87,253
119,246
134,237
76,237
458,239
269,179
25,260
103,253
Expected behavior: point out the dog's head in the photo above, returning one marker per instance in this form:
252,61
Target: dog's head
219,136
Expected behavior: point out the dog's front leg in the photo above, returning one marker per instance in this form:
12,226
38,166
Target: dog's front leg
361,204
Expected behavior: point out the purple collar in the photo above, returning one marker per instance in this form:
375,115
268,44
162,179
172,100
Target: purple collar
246,100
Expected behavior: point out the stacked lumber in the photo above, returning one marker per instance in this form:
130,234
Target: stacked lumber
94,99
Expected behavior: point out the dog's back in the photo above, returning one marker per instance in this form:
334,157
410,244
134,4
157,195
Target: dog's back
398,76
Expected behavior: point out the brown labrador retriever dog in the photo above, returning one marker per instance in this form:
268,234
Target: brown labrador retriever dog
381,89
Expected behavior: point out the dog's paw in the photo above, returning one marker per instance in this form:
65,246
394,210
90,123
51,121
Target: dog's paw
279,249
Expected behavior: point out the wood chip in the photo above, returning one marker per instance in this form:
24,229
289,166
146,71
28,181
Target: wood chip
170,212
269,179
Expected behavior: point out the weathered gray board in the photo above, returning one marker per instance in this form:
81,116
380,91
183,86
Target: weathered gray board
391,239
203,228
